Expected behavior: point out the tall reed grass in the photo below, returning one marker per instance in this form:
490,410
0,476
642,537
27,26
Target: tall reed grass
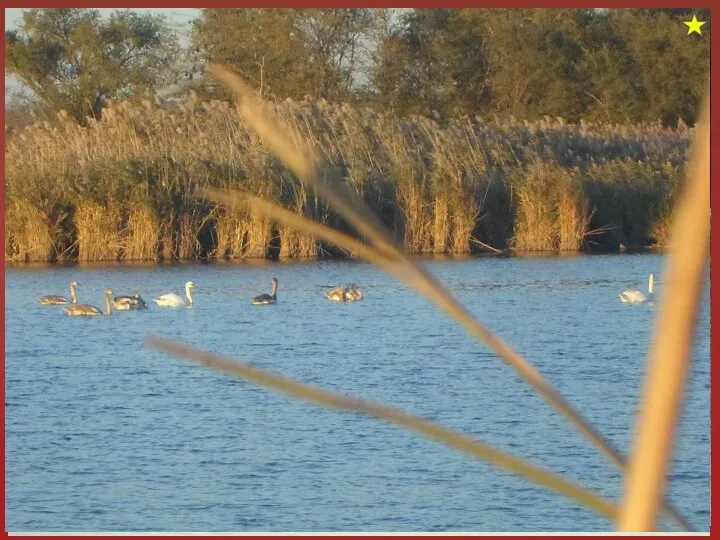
472,185
141,234
29,234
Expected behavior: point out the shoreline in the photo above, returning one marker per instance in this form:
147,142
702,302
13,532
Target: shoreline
309,260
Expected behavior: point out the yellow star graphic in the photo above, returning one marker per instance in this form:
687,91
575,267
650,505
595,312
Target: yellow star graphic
694,26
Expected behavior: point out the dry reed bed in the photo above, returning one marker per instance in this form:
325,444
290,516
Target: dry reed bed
439,189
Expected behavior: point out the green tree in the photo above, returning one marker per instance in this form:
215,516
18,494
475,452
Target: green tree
73,59
335,38
416,64
20,109
534,58
609,66
672,66
522,62
286,52
260,44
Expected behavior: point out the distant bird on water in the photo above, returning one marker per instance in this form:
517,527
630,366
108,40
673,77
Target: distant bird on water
267,298
84,310
336,295
175,300
60,300
345,294
636,297
353,293
126,303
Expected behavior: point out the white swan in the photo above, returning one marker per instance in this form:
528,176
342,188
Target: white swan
175,300
636,297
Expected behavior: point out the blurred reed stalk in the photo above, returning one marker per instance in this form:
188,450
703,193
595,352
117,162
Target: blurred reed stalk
672,342
304,162
426,428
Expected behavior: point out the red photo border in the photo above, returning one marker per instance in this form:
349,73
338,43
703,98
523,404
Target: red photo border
715,121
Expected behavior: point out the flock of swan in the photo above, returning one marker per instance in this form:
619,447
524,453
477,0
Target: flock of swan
350,293
125,303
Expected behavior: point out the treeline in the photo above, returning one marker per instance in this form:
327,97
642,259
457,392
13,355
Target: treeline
609,65
124,187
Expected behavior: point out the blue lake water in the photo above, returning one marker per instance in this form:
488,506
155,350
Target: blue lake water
104,434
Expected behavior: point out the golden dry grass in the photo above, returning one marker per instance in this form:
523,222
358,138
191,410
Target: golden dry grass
573,221
28,234
534,224
552,214
441,229
98,231
259,236
166,250
231,229
297,245
187,245
142,235
407,171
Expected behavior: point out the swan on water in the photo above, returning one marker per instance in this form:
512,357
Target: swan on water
637,297
336,295
175,300
125,303
59,300
268,298
353,294
344,294
77,310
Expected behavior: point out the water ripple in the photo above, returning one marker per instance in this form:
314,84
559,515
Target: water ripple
103,434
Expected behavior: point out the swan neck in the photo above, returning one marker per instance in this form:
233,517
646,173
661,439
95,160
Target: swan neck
107,305
189,296
651,282
274,289
72,294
